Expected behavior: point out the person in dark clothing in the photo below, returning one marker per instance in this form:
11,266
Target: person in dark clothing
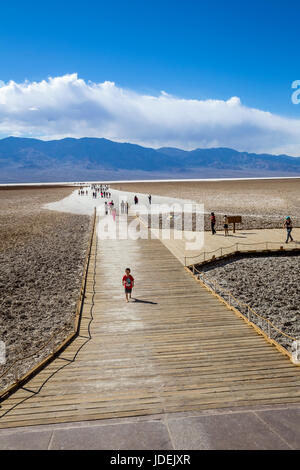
136,199
122,207
212,222
150,198
289,226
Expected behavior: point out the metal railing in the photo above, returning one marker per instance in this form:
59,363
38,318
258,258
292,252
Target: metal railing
260,323
57,341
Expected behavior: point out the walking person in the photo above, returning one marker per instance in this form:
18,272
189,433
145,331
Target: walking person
128,283
288,224
226,225
136,200
212,222
106,208
122,207
150,198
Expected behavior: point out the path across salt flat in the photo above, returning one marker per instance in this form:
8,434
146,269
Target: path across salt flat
85,204
174,348
176,241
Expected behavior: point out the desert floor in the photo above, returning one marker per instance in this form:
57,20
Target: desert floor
262,203
42,252
41,261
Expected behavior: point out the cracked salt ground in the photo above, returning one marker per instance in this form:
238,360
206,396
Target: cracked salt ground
270,285
41,259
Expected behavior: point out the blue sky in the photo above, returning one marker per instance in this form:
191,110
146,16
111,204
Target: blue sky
195,49
190,49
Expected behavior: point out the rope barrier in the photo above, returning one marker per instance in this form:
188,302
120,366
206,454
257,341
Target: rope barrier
206,280
224,248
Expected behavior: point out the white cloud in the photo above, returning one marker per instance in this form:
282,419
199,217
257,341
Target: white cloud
67,106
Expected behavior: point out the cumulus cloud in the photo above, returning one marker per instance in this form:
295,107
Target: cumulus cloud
68,106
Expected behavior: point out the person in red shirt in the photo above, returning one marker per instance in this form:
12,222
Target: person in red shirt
128,283
212,223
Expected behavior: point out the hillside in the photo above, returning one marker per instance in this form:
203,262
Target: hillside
24,160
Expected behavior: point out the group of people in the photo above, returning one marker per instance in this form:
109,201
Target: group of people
213,223
288,224
101,191
124,207
136,199
82,192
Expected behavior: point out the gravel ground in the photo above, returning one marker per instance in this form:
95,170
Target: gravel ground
195,222
41,263
261,203
269,284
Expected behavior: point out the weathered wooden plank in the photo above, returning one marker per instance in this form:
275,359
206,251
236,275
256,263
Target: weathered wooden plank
184,351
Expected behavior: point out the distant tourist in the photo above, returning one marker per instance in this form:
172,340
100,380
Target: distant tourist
212,222
136,200
226,225
106,208
122,207
288,224
128,283
150,198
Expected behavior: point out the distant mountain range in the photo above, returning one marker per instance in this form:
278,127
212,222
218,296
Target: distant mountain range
32,160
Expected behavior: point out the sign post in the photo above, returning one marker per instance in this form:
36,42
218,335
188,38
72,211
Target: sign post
234,219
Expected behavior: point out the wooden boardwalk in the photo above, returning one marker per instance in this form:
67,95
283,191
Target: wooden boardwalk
242,240
174,349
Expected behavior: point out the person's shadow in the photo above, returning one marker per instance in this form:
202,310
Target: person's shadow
144,301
